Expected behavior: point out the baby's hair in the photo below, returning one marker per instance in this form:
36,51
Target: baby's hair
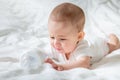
69,12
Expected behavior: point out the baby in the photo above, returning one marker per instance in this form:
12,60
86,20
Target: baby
66,31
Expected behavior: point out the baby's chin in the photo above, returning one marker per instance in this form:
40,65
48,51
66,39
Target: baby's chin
61,51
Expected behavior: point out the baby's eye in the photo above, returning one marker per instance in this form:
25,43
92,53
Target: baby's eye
52,37
63,39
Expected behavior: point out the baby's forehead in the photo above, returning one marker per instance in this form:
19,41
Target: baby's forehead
62,26
65,23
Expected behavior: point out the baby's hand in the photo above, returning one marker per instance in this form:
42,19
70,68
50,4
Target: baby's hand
54,65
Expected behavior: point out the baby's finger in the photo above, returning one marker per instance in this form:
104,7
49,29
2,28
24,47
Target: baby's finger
48,60
60,68
54,65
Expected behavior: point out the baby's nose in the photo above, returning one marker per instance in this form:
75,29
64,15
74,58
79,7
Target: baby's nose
57,44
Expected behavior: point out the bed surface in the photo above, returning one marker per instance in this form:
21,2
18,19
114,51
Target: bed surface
23,27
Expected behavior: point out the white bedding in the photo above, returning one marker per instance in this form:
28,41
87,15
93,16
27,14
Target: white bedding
23,27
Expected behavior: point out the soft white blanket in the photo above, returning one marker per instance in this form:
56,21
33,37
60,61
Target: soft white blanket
23,27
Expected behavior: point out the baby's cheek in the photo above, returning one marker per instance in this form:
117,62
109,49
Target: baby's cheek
72,47
67,47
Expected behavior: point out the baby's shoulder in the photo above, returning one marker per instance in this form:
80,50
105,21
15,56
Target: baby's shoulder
83,44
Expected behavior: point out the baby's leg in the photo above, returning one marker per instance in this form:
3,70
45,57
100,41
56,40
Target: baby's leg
113,43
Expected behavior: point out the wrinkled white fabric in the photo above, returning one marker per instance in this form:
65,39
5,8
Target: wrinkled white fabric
23,27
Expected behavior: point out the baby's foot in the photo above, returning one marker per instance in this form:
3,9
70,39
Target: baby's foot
113,42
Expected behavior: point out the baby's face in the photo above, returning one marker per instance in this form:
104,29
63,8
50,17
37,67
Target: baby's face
63,36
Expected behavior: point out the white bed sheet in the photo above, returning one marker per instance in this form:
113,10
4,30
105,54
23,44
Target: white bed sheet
23,27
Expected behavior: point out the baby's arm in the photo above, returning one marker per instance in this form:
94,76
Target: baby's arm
82,62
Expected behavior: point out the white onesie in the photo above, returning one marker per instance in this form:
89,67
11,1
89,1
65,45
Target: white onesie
96,49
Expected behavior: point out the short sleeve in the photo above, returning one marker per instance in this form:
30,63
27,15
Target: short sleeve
82,49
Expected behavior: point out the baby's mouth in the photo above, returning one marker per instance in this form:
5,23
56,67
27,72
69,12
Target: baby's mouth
58,49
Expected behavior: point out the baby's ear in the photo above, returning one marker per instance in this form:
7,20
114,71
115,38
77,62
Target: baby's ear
81,35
